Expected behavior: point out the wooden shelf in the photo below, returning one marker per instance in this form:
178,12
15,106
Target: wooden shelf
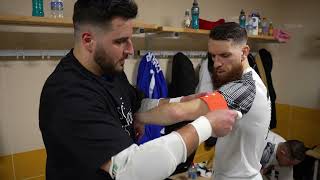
19,31
56,22
183,30
146,27
263,38
207,32
38,21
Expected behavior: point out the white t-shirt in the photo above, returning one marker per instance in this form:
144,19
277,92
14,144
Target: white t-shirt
238,154
205,82
269,157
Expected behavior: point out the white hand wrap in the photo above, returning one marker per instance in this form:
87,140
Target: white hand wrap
154,160
203,128
147,104
177,99
239,115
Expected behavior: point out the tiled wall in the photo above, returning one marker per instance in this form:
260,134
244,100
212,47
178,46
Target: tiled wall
299,123
23,166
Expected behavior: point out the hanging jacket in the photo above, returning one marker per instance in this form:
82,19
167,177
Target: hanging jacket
151,82
252,63
183,83
267,62
262,64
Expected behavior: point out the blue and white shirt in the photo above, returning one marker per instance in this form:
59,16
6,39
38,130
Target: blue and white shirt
151,81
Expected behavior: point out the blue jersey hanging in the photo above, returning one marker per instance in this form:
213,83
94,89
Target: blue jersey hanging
151,81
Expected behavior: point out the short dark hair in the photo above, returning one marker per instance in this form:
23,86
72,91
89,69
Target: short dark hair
101,12
229,31
296,149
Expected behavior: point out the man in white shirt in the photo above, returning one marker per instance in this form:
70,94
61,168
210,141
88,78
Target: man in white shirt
279,156
238,87
238,154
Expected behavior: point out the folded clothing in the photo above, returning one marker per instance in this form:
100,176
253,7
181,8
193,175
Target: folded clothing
315,152
281,35
208,25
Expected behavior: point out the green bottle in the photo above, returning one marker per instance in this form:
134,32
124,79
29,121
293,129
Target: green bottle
37,8
242,19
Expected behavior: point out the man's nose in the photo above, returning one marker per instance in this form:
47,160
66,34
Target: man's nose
129,48
217,62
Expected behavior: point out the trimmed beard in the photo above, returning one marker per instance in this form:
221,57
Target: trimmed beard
233,75
100,57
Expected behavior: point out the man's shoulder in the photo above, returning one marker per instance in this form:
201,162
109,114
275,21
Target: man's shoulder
69,71
68,79
240,94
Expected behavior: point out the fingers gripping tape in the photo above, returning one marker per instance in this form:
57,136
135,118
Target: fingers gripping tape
215,101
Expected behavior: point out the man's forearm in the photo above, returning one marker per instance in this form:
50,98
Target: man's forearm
166,153
171,113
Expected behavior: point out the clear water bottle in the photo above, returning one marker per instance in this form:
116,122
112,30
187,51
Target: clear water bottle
187,19
60,7
53,8
195,11
249,25
56,7
265,26
37,8
255,23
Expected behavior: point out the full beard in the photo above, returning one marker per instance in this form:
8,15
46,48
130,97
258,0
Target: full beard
233,75
100,57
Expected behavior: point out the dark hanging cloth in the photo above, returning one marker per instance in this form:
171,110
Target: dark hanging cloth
183,83
252,63
267,62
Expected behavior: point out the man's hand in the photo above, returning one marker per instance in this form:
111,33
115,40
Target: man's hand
222,121
193,96
138,129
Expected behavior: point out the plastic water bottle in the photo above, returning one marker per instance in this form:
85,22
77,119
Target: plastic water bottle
249,25
60,7
195,11
56,7
37,8
192,172
255,23
265,27
53,8
187,19
270,31
242,19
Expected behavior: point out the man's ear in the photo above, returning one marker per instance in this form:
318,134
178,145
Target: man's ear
87,41
283,152
245,51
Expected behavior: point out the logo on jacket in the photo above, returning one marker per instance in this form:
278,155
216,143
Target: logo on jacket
154,61
126,117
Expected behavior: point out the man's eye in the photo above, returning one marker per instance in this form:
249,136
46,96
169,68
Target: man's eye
225,55
120,41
